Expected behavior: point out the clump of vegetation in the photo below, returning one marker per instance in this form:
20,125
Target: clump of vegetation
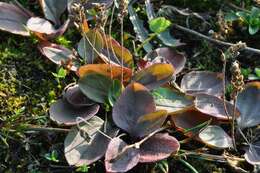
124,107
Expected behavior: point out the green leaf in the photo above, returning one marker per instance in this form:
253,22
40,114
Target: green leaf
141,32
52,156
253,29
257,72
95,87
60,74
255,12
114,92
171,100
159,24
83,168
243,15
246,72
230,17
90,45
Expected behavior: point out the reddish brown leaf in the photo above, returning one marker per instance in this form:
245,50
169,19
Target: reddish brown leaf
118,159
111,71
135,102
76,98
189,119
65,114
59,55
158,147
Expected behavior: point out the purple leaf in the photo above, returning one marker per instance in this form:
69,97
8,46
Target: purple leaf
203,82
65,114
59,55
76,98
248,103
53,9
13,19
214,106
40,25
134,103
155,75
167,55
158,147
216,137
79,151
44,29
252,154
119,159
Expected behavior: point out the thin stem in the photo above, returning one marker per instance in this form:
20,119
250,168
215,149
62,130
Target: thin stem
192,169
46,129
122,53
137,144
224,83
233,122
223,43
79,120
152,36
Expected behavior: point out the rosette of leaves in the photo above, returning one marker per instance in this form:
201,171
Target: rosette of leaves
97,82
73,104
135,112
196,103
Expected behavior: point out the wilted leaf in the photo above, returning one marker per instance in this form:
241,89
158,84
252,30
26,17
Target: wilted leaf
76,98
122,54
158,147
118,161
79,152
252,154
248,103
95,86
90,46
65,114
59,55
13,19
110,71
216,137
53,9
154,75
170,100
167,55
189,119
214,106
134,103
203,82
159,24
